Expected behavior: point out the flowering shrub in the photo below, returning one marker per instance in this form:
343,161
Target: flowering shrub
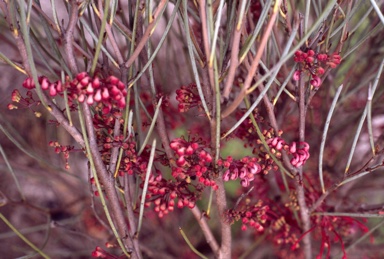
236,123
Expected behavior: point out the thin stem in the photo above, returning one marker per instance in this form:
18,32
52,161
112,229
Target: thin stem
234,57
147,34
324,136
17,232
69,35
190,244
255,62
145,188
207,232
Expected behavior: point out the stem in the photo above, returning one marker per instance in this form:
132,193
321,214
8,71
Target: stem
206,230
68,38
255,63
108,183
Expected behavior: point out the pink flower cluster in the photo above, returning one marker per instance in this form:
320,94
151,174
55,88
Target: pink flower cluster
245,169
162,193
314,64
299,151
110,92
192,161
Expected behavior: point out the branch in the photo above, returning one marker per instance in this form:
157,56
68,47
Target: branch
304,211
255,63
234,58
148,32
68,37
108,182
206,230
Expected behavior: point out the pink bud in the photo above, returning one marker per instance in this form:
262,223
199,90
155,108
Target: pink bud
105,94
243,172
97,96
113,80
85,81
180,151
322,57
226,176
292,147
181,161
296,75
189,151
311,53
320,71
81,75
28,83
191,205
81,98
172,196
90,99
44,84
305,145
89,89
59,86
96,82
310,59
235,174
120,85
52,90
114,91
316,81
180,204
244,182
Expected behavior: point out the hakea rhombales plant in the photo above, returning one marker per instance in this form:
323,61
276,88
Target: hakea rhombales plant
194,169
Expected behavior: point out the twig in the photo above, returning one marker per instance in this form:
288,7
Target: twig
148,32
234,58
69,36
304,211
255,63
207,232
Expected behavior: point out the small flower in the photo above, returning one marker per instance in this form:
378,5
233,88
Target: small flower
296,75
188,97
316,81
300,155
12,107
16,96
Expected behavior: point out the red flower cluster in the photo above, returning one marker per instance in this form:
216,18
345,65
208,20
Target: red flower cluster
162,193
245,169
254,216
188,97
313,63
62,149
23,101
192,161
110,92
300,150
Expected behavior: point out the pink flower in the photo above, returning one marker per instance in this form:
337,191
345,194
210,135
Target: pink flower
296,75
316,81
